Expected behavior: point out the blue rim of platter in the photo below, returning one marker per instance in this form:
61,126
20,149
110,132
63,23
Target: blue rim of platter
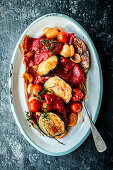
11,86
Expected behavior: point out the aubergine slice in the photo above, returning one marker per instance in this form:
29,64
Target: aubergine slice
52,124
48,66
59,87
83,52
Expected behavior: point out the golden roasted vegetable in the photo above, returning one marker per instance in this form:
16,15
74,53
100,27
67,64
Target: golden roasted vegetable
72,51
48,66
59,87
51,124
76,58
45,29
51,32
28,76
65,52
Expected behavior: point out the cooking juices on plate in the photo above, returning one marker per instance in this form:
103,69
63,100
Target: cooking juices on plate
56,67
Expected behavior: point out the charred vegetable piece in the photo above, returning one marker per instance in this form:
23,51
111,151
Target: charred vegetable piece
82,51
51,124
56,103
48,66
61,136
76,58
59,87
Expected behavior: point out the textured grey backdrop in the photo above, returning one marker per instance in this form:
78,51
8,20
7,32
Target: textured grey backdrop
96,16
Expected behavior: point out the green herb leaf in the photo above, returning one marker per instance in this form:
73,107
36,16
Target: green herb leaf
49,47
29,119
51,53
45,116
43,41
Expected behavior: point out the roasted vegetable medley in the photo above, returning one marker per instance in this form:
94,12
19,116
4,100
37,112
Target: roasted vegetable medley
55,80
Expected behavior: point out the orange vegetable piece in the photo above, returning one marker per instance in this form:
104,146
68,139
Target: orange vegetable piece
45,29
30,88
76,58
72,119
28,76
61,136
45,107
36,88
51,33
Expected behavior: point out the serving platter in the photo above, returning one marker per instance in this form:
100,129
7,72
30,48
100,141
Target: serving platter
77,134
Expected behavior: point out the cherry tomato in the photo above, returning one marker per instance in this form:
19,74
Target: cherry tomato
34,105
76,107
77,95
62,37
45,105
36,88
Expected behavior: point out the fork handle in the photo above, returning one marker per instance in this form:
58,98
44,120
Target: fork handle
98,140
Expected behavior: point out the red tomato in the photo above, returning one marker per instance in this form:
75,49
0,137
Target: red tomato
77,95
34,105
36,88
76,107
62,37
45,105
77,75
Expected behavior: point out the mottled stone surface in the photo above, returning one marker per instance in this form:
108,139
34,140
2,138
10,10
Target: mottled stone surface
96,17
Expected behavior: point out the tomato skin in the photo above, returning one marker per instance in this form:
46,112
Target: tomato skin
44,105
34,105
76,107
62,37
36,88
77,95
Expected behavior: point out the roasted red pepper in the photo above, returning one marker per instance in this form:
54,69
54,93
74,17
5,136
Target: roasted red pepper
42,48
56,103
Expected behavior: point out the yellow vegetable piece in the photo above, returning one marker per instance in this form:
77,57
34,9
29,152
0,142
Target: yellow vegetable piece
72,51
51,33
76,58
65,52
45,29
28,76
30,88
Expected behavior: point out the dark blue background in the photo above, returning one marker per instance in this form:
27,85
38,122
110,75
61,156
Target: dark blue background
96,16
